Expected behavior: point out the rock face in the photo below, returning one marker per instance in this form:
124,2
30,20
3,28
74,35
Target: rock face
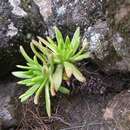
20,21
104,23
7,108
118,112
68,14
117,14
0,124
106,27
109,40
121,25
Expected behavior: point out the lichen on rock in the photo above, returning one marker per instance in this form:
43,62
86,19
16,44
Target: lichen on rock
16,8
18,25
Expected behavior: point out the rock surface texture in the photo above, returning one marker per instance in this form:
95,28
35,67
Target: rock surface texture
118,20
7,107
20,21
118,111
104,23
106,26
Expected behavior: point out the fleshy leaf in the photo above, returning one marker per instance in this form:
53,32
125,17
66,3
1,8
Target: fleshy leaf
81,57
25,98
59,38
52,87
68,70
48,101
51,41
50,46
67,42
38,54
29,93
21,74
64,90
57,76
37,63
23,67
25,55
43,49
77,74
37,78
37,95
25,82
76,40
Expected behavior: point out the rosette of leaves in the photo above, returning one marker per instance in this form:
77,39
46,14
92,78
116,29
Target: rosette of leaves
37,77
53,62
65,53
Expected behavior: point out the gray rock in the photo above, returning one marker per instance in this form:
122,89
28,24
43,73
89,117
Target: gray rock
117,12
7,107
108,49
96,36
69,14
20,21
101,46
118,111
17,10
0,124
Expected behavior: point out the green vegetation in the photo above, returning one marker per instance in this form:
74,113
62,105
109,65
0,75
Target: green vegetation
52,63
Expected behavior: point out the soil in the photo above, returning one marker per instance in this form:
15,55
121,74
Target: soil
76,112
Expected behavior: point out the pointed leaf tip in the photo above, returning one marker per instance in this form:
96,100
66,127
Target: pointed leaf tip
57,76
48,101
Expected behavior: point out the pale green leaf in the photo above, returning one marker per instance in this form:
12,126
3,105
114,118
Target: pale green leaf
57,76
77,74
64,90
44,50
51,41
68,70
81,57
76,40
48,101
37,95
21,74
37,78
52,87
67,42
25,55
59,38
26,82
53,48
33,66
23,67
25,98
38,54
29,92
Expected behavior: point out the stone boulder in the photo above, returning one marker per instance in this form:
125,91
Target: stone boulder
107,34
7,106
20,21
68,14
112,49
118,111
119,22
107,43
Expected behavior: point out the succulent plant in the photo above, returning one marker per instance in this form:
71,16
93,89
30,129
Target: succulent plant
53,62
